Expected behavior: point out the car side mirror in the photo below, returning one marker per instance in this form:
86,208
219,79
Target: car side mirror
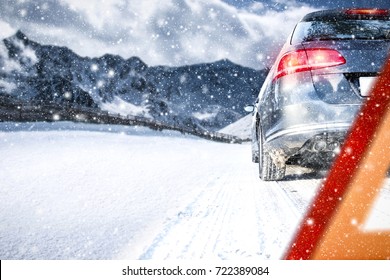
249,108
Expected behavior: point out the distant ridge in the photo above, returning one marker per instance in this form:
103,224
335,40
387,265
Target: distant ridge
208,95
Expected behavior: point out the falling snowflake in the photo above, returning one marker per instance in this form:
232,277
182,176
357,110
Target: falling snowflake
68,95
100,83
111,73
94,67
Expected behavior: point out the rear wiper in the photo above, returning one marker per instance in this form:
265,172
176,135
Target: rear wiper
327,39
346,39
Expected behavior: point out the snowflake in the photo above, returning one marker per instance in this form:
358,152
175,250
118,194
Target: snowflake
310,222
348,150
68,95
56,117
100,83
23,12
94,67
111,73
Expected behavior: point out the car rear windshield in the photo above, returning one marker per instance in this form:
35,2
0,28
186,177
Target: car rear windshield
341,30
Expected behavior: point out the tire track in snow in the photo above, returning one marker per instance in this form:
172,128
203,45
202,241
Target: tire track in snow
299,193
181,236
235,216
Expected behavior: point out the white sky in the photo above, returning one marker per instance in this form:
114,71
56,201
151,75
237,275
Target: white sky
169,32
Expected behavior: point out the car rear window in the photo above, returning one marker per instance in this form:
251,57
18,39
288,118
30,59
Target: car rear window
341,30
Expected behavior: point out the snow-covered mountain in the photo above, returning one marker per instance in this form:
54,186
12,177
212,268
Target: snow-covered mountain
241,128
204,95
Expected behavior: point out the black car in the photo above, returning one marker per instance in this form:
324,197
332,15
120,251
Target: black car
315,88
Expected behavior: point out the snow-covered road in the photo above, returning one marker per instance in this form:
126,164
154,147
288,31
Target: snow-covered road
74,191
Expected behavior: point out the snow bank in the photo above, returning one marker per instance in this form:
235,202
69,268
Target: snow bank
240,128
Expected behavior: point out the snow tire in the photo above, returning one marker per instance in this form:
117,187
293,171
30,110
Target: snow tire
268,169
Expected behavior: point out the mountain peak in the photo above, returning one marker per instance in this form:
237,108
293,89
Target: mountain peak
136,62
20,35
225,62
134,59
110,57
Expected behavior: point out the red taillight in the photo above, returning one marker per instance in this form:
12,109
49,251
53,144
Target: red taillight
306,60
368,12
320,58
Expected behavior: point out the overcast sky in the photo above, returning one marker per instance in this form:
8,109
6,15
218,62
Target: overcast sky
165,32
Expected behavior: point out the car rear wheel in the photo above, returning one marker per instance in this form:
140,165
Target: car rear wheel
268,169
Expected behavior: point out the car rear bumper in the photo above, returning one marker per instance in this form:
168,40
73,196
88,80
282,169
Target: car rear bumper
310,145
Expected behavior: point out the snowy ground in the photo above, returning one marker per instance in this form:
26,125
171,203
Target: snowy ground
75,191
240,128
